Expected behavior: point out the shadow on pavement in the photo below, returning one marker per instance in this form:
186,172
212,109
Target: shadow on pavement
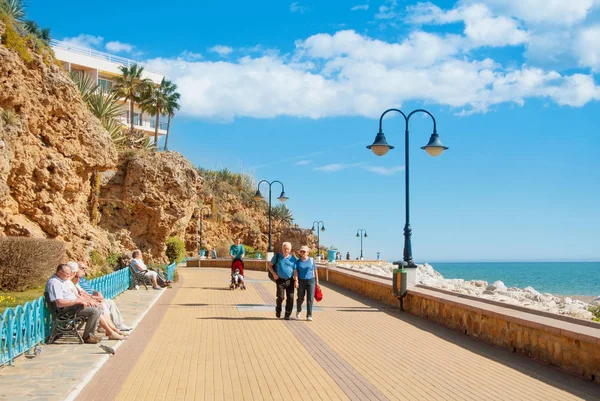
547,374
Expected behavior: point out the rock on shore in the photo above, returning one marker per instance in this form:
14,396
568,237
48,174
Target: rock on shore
527,297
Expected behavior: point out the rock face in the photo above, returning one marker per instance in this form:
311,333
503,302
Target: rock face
151,197
497,291
51,149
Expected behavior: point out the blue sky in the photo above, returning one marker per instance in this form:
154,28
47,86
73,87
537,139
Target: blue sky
293,91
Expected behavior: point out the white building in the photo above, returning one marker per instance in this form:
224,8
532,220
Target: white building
103,68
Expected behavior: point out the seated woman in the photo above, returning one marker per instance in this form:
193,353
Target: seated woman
105,322
139,266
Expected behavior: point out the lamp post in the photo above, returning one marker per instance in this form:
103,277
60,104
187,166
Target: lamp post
322,228
282,198
434,148
200,216
362,233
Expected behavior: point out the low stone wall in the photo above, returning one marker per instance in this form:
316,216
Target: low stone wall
572,346
249,264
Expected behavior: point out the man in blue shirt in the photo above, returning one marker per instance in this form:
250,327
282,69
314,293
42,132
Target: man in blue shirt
282,267
237,251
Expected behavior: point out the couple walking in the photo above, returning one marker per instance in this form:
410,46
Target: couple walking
290,273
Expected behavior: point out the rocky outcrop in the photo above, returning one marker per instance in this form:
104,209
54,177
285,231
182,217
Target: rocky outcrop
151,197
50,150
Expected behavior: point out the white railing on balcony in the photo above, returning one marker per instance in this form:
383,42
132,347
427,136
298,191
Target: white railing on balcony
147,124
59,44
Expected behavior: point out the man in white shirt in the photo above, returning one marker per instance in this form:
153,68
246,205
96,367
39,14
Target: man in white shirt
60,292
139,266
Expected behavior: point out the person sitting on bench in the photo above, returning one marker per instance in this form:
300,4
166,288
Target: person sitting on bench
139,266
60,293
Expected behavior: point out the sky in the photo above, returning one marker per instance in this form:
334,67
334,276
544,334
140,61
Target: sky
293,91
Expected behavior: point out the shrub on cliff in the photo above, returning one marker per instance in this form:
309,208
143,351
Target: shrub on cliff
175,249
28,262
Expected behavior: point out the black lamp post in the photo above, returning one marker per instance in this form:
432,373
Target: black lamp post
434,148
363,234
322,225
282,198
200,216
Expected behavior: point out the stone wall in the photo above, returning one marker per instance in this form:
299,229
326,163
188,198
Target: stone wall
564,344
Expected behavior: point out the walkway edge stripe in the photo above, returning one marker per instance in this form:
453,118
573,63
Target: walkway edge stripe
88,378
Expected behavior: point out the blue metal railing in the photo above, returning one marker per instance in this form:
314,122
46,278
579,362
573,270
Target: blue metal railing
171,271
25,326
112,284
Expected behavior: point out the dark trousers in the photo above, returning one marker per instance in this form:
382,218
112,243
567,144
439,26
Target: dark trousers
93,318
285,286
306,288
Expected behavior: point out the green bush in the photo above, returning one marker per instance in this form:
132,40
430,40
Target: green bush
114,260
175,249
97,259
28,262
595,312
251,252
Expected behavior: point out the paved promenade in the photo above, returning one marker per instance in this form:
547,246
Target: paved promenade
63,368
204,342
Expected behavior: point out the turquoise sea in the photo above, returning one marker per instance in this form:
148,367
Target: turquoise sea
561,278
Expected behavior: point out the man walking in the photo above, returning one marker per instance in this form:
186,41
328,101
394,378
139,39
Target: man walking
282,267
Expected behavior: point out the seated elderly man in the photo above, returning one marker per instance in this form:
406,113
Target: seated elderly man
108,304
62,295
139,266
105,322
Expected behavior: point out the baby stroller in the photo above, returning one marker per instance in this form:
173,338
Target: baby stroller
237,275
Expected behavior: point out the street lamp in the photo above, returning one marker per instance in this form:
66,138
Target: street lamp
199,216
434,148
282,198
317,223
363,234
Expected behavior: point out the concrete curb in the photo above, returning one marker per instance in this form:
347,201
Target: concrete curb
81,385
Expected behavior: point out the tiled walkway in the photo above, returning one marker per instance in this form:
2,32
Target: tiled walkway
204,342
62,368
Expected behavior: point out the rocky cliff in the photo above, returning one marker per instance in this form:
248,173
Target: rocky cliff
62,177
151,197
51,147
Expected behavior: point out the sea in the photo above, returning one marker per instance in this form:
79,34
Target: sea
560,278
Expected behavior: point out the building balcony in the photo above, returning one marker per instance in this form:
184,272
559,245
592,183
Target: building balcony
147,125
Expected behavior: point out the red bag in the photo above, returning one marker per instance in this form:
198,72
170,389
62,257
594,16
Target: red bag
318,293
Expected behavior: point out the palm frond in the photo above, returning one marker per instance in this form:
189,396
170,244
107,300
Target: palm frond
14,9
104,104
85,84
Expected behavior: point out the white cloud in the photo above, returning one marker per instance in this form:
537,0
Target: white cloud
556,12
347,74
384,170
387,11
221,50
482,28
191,56
331,168
84,40
588,47
358,7
295,7
119,47
303,162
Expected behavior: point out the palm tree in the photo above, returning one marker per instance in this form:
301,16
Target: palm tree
130,85
33,28
14,9
157,101
172,105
